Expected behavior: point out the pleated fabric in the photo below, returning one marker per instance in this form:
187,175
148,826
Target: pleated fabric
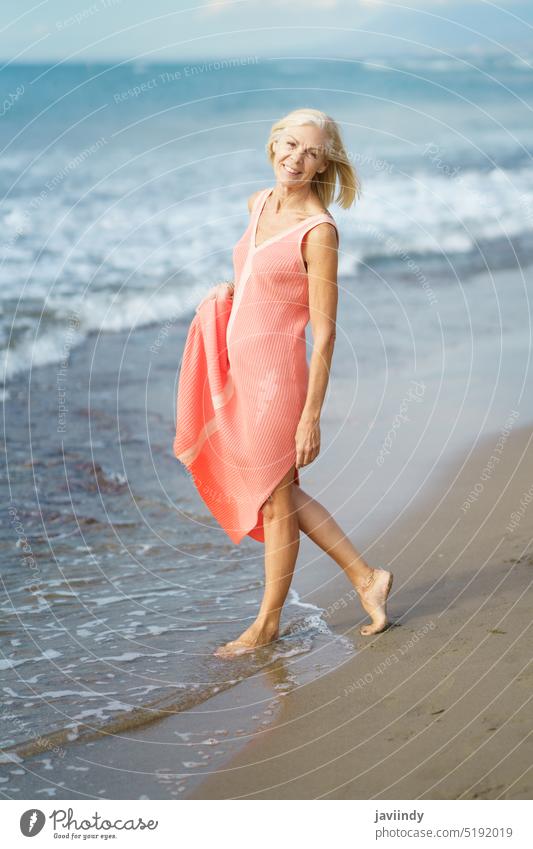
244,376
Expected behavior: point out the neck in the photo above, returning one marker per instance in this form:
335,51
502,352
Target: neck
290,197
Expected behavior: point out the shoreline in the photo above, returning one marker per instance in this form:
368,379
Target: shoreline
118,580
381,499
395,685
453,679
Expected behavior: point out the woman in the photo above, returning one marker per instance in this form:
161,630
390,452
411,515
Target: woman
265,421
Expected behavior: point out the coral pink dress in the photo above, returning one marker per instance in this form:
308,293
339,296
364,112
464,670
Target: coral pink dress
239,406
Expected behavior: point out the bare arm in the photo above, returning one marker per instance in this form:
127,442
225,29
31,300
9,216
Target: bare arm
322,261
227,285
252,199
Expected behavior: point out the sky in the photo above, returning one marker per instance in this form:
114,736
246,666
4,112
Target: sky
174,30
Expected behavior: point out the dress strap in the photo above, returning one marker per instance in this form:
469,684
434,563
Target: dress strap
258,202
314,221
257,208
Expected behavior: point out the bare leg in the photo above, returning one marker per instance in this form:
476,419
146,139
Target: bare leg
282,542
372,585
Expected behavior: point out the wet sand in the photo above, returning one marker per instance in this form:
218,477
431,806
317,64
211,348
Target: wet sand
436,707
439,705
433,708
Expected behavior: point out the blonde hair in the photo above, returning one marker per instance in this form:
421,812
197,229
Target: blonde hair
338,167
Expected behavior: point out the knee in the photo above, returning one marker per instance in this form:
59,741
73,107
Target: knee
268,510
279,505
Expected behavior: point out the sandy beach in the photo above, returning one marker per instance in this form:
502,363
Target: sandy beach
438,706
129,159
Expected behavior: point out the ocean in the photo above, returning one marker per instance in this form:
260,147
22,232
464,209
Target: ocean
123,192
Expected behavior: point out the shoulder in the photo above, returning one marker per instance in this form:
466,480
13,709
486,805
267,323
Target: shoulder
323,233
252,199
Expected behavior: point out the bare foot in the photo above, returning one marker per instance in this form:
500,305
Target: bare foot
373,597
255,636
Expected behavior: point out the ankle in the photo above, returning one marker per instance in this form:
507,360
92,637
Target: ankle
268,622
367,581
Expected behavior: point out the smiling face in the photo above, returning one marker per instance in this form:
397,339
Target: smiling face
299,153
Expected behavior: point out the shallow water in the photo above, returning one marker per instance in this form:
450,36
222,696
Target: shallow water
124,213
117,582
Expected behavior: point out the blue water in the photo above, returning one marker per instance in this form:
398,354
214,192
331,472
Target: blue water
121,206
124,187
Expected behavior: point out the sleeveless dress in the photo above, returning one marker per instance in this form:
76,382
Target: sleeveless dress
250,441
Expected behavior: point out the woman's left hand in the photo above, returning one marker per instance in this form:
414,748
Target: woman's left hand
307,441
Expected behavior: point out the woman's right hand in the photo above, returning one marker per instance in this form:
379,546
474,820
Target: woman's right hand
224,289
220,290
